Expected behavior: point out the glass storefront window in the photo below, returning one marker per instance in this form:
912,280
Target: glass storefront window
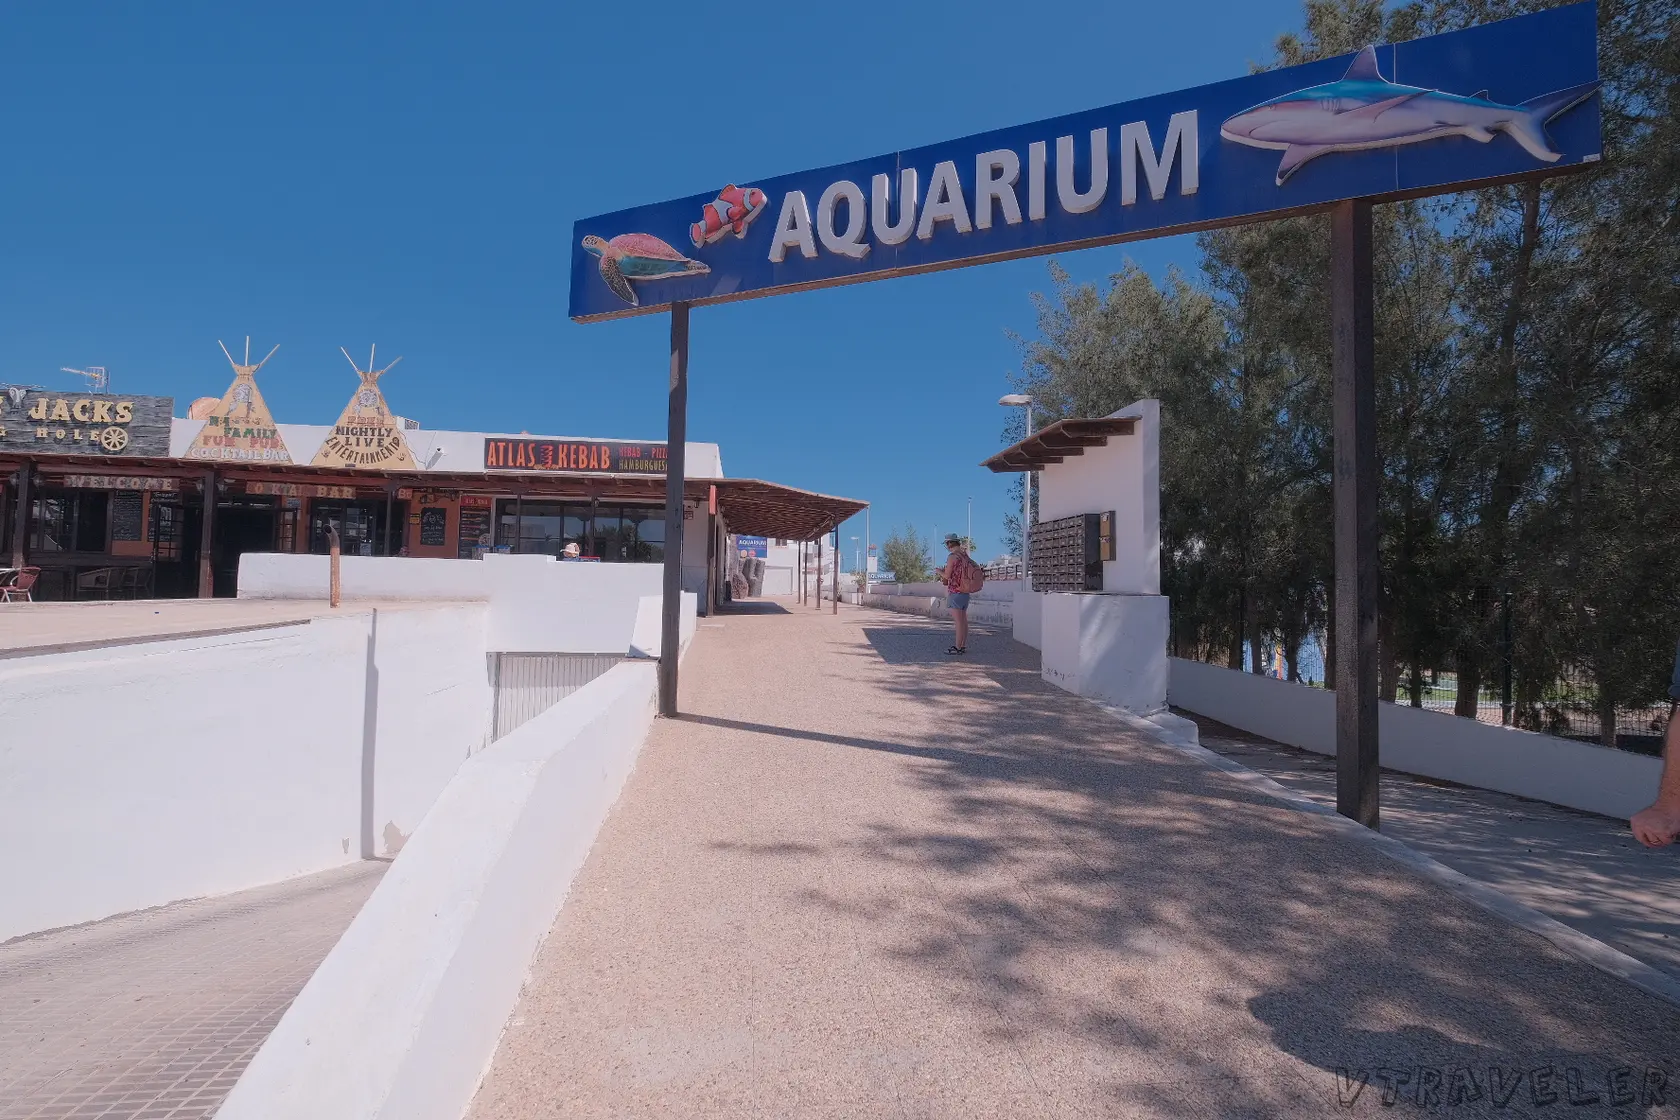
646,529
541,527
615,534
360,526
609,535
69,521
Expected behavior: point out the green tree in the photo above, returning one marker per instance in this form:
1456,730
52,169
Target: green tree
906,556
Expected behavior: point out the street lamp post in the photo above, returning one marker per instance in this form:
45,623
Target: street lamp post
1022,400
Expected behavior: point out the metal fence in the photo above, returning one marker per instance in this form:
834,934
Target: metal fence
1568,709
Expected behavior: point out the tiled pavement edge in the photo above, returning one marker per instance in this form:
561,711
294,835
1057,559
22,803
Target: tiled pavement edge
859,878
1501,902
156,1013
1581,868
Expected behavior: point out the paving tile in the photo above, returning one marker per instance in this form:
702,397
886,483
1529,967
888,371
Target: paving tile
156,1013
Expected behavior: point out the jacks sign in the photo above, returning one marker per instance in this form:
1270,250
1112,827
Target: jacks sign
1493,103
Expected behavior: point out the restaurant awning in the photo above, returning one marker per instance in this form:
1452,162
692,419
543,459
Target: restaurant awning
1056,442
750,506
767,509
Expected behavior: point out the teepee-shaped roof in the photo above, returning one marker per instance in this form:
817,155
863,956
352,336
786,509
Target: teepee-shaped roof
240,428
367,436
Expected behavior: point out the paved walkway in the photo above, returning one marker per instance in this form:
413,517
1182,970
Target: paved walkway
1584,870
859,879
156,1013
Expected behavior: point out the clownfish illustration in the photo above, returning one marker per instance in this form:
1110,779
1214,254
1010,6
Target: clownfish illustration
732,212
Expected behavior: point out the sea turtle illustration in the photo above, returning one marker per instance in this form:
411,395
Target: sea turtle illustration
638,256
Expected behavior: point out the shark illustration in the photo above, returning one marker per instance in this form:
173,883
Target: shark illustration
1364,110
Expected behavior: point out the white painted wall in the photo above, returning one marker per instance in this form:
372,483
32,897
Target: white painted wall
1432,744
402,1019
647,637
433,710
981,612
1123,476
778,580
1108,647
1027,618
276,575
1002,591
136,775
537,604
141,774
542,605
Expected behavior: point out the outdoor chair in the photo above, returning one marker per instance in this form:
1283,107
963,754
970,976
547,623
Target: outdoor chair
100,579
17,587
133,581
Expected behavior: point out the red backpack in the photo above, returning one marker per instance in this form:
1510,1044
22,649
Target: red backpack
971,577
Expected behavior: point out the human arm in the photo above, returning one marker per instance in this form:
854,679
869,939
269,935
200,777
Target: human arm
1659,823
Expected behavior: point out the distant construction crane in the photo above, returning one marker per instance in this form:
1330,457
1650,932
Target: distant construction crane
99,378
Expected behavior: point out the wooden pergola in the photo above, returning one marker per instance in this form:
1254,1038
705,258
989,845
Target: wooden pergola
1056,442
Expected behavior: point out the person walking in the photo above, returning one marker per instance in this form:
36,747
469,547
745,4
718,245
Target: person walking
961,577
1659,823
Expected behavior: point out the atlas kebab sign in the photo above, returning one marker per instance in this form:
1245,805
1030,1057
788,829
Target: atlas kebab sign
1484,105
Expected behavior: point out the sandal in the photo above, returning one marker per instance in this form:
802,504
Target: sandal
957,650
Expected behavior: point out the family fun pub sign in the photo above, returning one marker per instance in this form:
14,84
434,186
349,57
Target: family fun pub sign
1472,107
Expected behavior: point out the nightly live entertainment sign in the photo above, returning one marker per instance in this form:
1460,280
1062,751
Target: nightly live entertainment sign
366,436
1486,104
573,456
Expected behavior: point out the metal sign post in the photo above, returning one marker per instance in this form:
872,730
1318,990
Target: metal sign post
676,443
1353,366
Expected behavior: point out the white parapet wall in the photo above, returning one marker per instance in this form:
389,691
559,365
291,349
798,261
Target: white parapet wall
281,575
537,604
135,775
402,1019
992,605
1431,744
1027,618
1111,648
141,774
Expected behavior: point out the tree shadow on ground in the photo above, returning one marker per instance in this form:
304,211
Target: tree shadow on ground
1224,955
751,606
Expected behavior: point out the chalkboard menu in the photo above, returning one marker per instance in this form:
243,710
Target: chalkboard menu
127,521
475,532
433,521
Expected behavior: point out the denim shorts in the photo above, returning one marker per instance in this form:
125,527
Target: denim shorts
958,600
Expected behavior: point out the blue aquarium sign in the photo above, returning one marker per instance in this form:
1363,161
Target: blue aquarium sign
1489,104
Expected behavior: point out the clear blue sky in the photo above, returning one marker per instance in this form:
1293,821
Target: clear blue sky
408,174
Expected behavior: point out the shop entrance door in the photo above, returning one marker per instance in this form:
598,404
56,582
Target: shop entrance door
239,529
360,524
174,531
